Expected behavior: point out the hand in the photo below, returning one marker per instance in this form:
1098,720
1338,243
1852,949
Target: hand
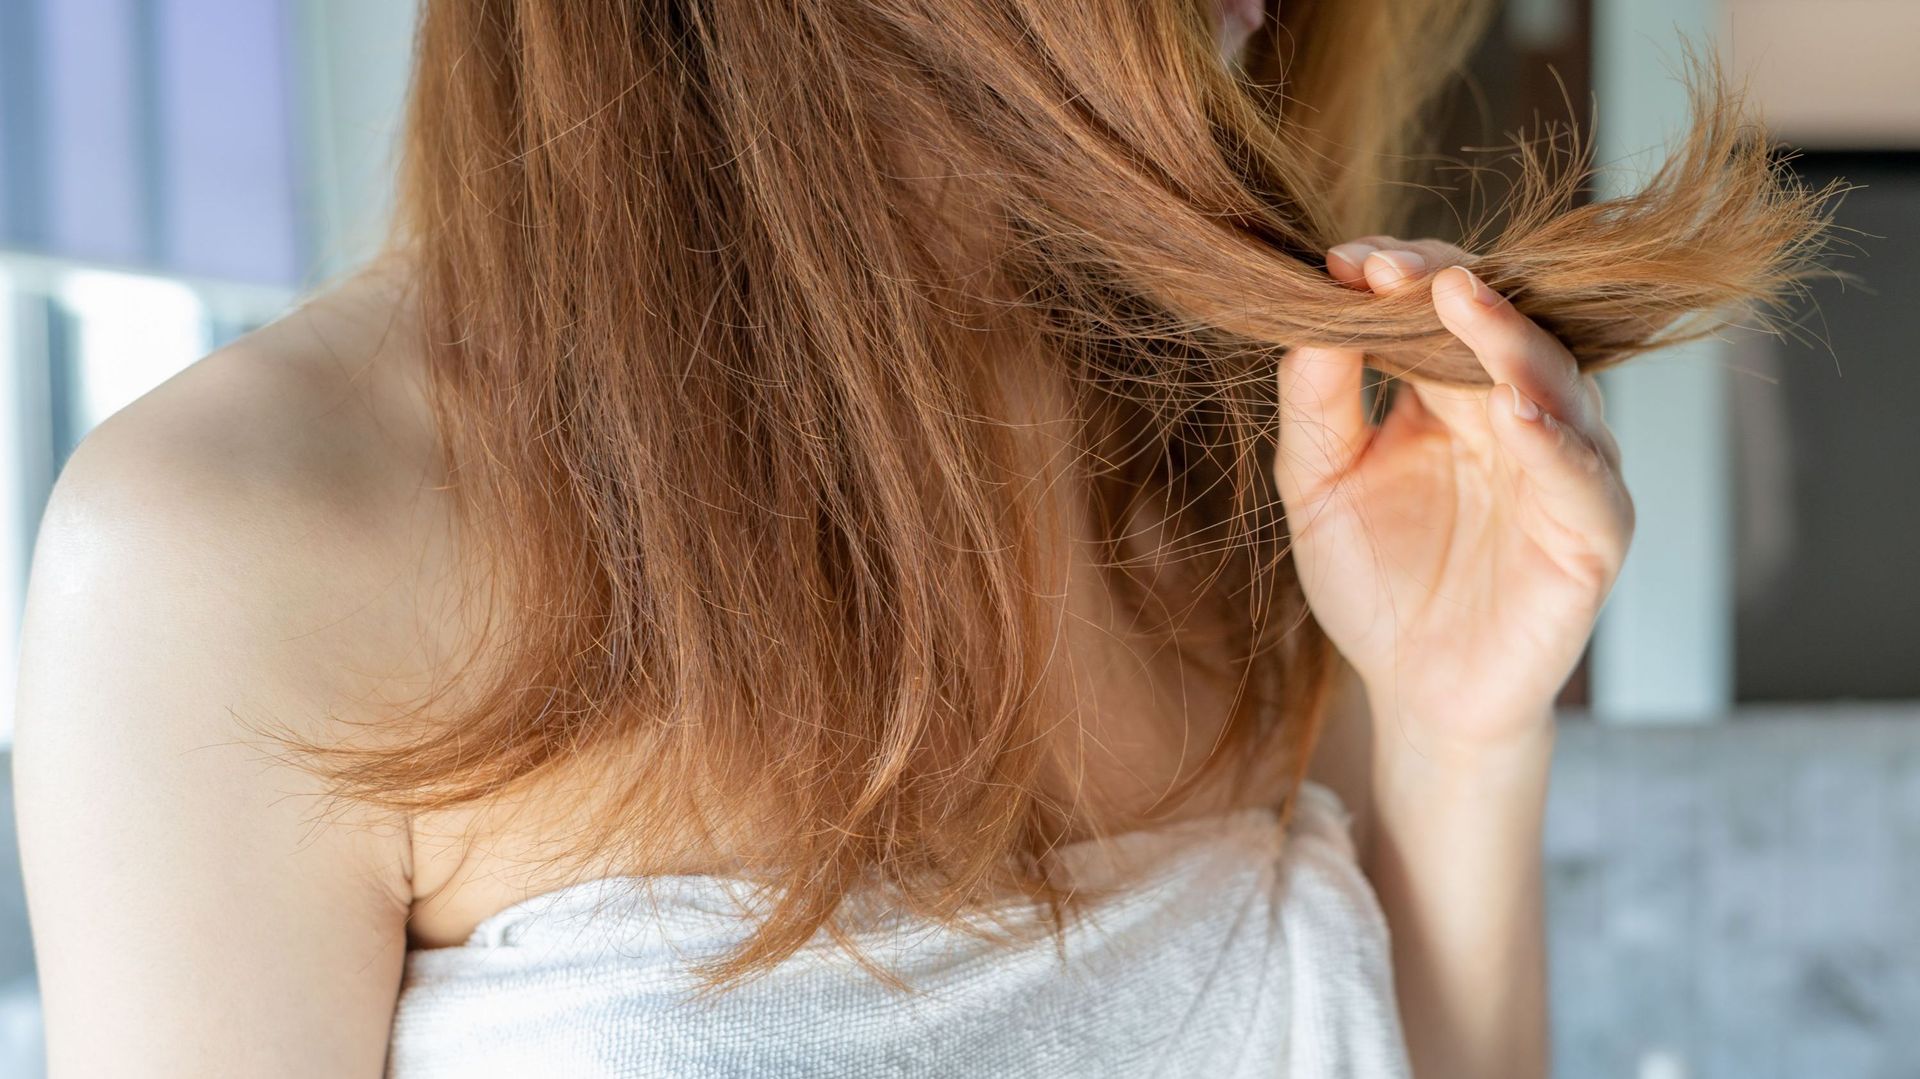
1458,553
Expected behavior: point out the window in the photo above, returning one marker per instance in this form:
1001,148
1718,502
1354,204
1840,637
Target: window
166,170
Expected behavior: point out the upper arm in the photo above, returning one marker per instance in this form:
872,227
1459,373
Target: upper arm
196,910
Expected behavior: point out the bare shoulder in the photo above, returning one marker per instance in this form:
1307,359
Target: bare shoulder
319,415
288,483
254,544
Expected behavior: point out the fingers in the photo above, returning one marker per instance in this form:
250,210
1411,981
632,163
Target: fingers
1596,401
1544,416
1573,478
1519,353
1386,263
1344,263
1513,348
1387,271
1596,428
1323,423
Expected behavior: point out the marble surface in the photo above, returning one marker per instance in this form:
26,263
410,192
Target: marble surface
1736,901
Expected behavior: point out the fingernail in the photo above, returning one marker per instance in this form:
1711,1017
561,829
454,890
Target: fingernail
1405,264
1351,254
1523,406
1482,295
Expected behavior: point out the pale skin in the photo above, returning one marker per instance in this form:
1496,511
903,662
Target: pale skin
266,537
1457,555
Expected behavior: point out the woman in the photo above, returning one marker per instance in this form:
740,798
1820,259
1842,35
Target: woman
825,548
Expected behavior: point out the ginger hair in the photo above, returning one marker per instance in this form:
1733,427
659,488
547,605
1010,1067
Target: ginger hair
708,373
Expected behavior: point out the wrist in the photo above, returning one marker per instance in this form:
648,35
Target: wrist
1469,746
1435,794
1451,721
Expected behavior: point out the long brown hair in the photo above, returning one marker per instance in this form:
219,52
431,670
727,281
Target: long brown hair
716,292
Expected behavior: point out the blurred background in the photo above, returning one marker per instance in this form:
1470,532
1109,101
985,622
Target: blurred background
1734,838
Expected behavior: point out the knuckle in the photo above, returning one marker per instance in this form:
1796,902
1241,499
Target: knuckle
1593,461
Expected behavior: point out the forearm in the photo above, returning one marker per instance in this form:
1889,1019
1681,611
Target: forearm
1456,858
1456,554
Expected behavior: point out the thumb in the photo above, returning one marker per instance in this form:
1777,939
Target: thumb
1323,422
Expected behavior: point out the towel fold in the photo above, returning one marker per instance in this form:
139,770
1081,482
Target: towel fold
1229,946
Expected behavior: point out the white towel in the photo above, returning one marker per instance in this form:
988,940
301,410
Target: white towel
1223,947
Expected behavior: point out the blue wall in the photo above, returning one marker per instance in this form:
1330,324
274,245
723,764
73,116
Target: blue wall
160,134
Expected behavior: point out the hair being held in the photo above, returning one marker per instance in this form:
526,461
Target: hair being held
719,295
